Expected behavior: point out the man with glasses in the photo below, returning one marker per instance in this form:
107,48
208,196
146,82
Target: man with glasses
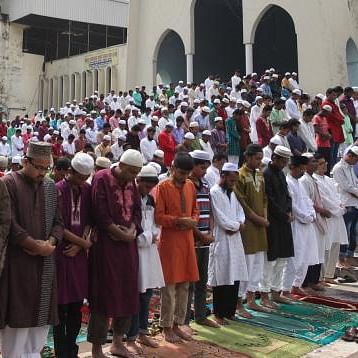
28,286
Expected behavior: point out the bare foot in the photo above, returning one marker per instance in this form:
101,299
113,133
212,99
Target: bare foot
187,329
298,291
318,287
255,307
133,348
181,334
329,281
147,341
221,321
120,352
208,322
170,336
289,295
277,297
243,313
269,304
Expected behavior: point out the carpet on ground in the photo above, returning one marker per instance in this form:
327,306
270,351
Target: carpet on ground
315,323
254,341
330,302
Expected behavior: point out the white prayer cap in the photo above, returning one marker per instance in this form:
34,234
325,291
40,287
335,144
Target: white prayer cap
206,132
68,103
283,152
82,163
232,99
294,74
169,124
276,140
164,109
259,89
128,107
283,99
307,155
217,101
254,74
287,74
34,139
200,154
56,132
355,89
142,121
327,108
197,100
47,137
275,75
202,85
320,96
230,167
103,111
239,101
183,104
258,98
193,124
135,109
246,104
103,162
217,119
16,159
156,166
155,118
225,100
297,91
158,153
205,109
80,104
267,71
52,109
121,121
354,150
4,138
228,88
189,135
265,160
93,112
122,137
72,121
107,137
181,82
148,171
3,121
266,77
272,69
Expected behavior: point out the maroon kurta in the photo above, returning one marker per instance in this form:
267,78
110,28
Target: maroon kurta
114,264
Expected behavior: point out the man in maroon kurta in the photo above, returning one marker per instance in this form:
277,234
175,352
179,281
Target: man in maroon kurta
114,255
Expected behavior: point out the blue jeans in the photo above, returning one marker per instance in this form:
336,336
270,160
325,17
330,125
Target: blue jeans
139,323
350,219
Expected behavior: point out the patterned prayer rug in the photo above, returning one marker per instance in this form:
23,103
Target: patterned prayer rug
330,302
254,341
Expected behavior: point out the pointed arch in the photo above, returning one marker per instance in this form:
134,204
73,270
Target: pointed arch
352,62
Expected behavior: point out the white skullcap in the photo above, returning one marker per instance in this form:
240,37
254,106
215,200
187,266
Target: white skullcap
193,124
355,89
294,74
158,153
258,98
189,135
254,74
122,137
266,77
217,101
246,104
135,109
233,99
56,132
34,139
183,104
103,162
93,112
155,118
320,96
181,82
132,157
259,89
68,102
72,121
230,167
239,101
217,119
205,109
128,107
283,99
297,91
276,140
103,111
200,154
3,121
107,137
148,171
287,74
307,155
4,137
267,71
82,163
206,132
156,166
169,124
272,69
196,100
327,108
283,152
275,75
52,109
141,121
225,100
166,108
47,137
354,150
16,159
121,121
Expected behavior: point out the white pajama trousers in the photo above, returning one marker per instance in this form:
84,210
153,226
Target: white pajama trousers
255,267
330,261
294,275
23,342
272,275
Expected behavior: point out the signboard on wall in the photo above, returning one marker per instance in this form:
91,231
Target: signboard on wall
101,59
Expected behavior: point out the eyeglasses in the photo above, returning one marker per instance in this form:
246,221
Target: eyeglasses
40,168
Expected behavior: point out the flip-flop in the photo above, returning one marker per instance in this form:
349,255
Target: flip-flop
350,335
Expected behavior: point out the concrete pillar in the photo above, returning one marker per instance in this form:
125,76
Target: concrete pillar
189,67
45,94
77,94
102,82
155,71
114,73
89,84
55,93
249,58
95,82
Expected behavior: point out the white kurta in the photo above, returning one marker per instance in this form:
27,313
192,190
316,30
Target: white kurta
331,200
227,262
303,231
150,268
254,115
212,176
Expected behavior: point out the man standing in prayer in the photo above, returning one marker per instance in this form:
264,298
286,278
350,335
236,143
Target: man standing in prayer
212,175
227,265
71,254
177,214
114,256
250,190
28,309
167,144
233,136
279,232
303,231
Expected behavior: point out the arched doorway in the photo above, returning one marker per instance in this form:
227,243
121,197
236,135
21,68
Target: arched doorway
219,48
171,62
275,42
352,62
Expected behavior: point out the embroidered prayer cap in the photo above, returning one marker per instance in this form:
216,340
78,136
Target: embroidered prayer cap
16,159
132,157
193,124
107,137
246,104
354,150
148,171
283,152
206,132
217,119
155,118
189,135
205,109
230,167
156,166
200,154
103,162
39,150
225,100
184,104
297,91
327,108
158,153
82,163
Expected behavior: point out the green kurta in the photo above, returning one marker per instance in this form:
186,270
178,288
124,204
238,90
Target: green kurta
250,190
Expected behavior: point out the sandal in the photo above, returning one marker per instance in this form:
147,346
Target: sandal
350,335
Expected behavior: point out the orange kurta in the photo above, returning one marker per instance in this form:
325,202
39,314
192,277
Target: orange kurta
176,247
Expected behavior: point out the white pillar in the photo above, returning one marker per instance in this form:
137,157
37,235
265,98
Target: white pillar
155,72
249,58
189,67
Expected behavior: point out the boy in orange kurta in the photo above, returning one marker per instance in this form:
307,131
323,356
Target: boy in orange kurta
177,214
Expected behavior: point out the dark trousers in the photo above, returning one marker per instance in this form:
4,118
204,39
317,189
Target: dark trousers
350,219
312,276
139,322
225,300
98,327
334,153
66,332
326,154
198,289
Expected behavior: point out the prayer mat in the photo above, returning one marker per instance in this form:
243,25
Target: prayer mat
253,341
318,324
330,302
